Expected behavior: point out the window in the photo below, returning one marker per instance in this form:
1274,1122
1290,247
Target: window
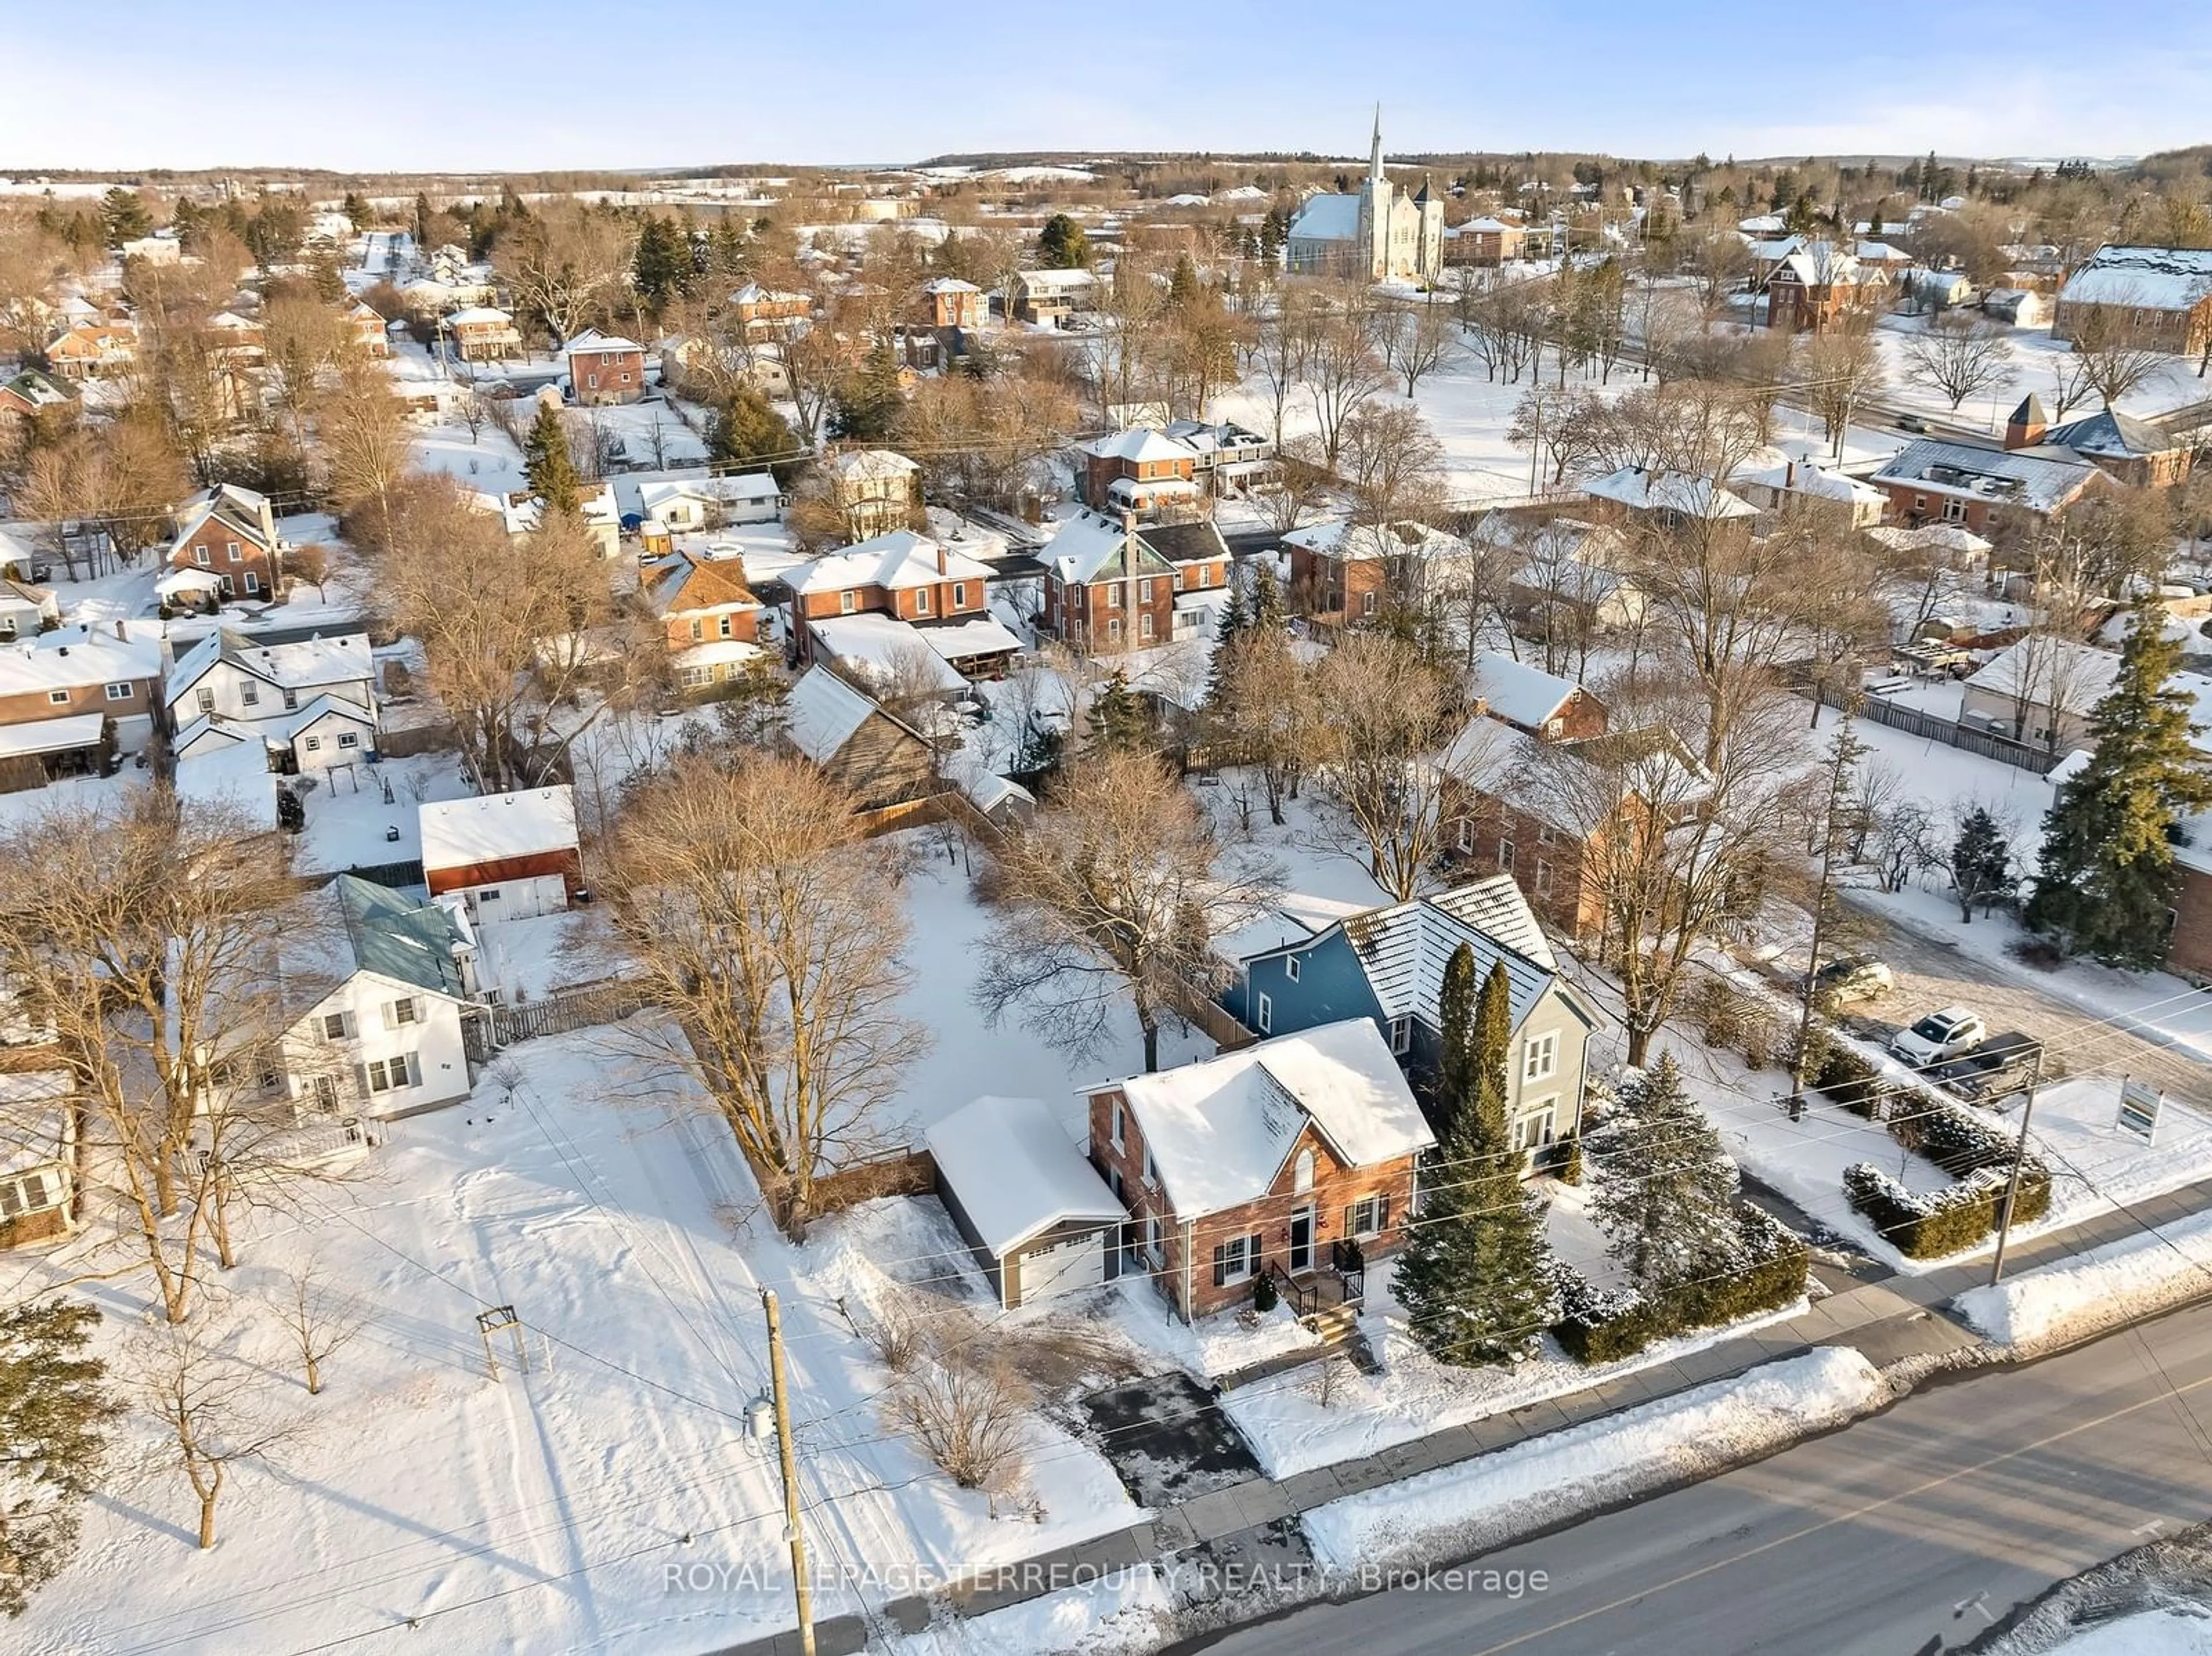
1554,726
960,594
59,698
387,1075
1236,1260
1119,1130
348,740
1152,1239
291,701
1302,1173
334,1026
1540,1056
26,1194
201,556
698,631
1367,604
847,603
312,744
252,581
1266,1016
230,550
1954,512
1543,878
1369,1216
1144,626
921,601
1465,836
1113,630
722,627
625,376
1546,835
1114,596
1920,503
1176,581
1533,1131
591,380
1291,968
1145,590
1402,1035
250,695
403,1011
207,701
1152,1170
1505,856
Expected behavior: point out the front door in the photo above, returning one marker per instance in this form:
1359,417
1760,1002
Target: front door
1302,1235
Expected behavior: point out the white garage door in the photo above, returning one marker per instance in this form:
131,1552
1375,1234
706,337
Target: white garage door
1072,1266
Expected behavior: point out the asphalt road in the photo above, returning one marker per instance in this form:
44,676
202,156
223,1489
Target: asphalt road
1915,1530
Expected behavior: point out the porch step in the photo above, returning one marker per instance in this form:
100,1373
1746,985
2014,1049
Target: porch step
1334,1324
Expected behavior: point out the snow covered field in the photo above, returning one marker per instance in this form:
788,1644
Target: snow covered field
1457,1510
2035,355
349,821
543,1510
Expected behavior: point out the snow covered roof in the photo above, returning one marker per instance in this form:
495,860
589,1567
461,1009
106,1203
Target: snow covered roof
1139,443
1495,907
2117,436
1016,1172
1668,491
61,735
187,579
71,656
2042,478
1485,225
950,285
1760,224
873,465
234,776
899,559
822,712
1946,537
458,832
2152,278
1327,217
687,583
1804,478
883,646
592,343
476,315
1221,1129
1336,538
739,488
1088,546
305,664
1047,282
1518,693
964,640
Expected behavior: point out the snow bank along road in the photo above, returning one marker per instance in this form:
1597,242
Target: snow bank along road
1913,1530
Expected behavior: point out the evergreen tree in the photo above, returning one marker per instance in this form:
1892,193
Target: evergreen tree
660,267
422,223
1118,723
1183,286
53,1409
1228,632
1669,1211
356,210
1981,863
747,430
1493,1044
546,460
1061,245
870,402
2106,879
1458,1053
124,216
1267,615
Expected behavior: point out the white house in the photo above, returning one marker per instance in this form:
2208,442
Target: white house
38,1155
508,856
313,700
697,503
378,991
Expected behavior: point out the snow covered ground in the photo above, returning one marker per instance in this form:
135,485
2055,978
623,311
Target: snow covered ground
491,462
1456,1511
2035,355
545,1510
350,821
2148,1632
2120,1282
1125,1610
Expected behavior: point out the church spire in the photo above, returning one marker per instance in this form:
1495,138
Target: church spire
1375,159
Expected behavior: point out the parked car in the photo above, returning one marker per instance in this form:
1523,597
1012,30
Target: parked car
1984,1073
1939,1036
1911,423
1854,976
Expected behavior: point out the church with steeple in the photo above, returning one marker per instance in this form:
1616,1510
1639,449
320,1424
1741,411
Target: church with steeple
1377,232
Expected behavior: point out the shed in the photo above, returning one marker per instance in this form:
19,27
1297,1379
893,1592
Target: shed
511,855
878,757
1032,1208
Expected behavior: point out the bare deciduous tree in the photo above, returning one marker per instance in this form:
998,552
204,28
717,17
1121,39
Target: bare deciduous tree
2116,357
1960,355
210,1413
1386,717
1114,894
320,1320
765,932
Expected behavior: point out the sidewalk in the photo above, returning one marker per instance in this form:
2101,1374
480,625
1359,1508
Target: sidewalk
1898,1316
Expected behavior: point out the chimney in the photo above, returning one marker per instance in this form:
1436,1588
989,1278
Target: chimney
1789,475
1129,521
940,563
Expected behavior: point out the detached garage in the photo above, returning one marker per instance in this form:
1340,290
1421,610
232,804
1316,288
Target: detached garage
1035,1212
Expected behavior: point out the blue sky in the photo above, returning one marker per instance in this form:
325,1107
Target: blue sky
494,83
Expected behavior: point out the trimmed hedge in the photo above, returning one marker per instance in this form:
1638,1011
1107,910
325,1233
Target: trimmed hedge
1852,1080
1971,1150
1601,1326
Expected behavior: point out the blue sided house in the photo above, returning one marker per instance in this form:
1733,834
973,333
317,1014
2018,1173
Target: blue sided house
1388,965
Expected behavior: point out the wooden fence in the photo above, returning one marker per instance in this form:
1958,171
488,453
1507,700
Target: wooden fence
1914,722
391,874
488,1028
911,1172
434,737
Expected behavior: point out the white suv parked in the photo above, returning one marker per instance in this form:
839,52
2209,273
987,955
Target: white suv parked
1939,1036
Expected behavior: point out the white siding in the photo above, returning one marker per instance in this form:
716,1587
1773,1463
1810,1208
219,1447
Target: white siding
319,1066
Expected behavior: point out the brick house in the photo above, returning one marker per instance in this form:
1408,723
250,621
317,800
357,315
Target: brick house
1386,966
2160,297
710,619
1986,491
32,393
93,351
1050,296
1295,1158
605,368
2133,451
1339,572
1534,701
1484,241
371,333
1640,497
765,313
949,302
482,334
1106,588
1810,288
1139,471
511,856
904,575
230,532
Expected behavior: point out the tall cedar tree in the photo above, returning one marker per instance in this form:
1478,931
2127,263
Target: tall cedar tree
747,429
1267,612
1666,1197
1475,1277
2106,882
546,460
1981,863
1118,720
1061,245
53,1412
869,402
1234,621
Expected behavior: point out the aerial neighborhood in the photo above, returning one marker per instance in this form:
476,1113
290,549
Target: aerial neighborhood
1002,888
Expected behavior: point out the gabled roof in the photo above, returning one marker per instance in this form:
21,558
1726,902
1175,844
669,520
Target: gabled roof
1804,478
822,712
457,832
40,389
305,663
950,285
1089,547
873,465
401,937
2030,412
1016,1172
2153,278
1518,693
687,583
2042,478
1138,445
1220,1131
592,343
1337,538
477,316
1327,217
2116,435
1668,491
1495,907
899,559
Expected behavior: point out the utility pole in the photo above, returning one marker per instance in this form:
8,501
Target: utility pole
2019,1154
800,1590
